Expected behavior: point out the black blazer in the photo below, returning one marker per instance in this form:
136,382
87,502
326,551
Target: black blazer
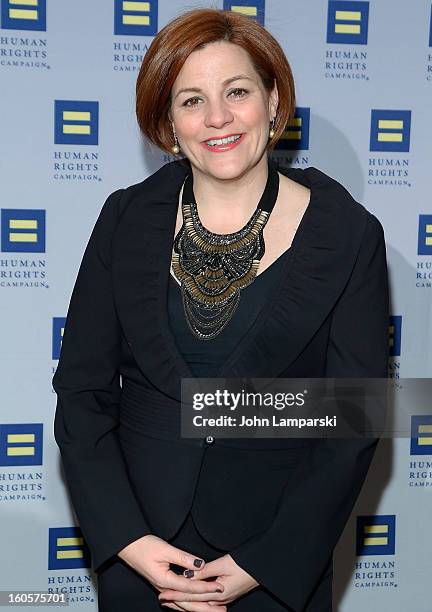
278,506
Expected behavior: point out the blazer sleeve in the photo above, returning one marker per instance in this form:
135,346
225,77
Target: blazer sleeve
87,384
290,557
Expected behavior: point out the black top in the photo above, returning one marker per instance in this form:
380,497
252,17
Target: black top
205,357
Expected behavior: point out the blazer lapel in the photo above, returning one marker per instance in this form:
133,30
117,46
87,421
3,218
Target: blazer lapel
141,266
322,256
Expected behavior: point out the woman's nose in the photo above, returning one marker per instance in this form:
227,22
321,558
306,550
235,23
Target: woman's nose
217,115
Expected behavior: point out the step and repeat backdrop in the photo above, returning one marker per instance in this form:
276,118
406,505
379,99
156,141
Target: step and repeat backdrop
69,137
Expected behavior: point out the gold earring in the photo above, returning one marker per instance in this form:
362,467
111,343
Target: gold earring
176,148
272,132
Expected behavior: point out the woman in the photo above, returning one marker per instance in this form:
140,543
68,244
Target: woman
219,264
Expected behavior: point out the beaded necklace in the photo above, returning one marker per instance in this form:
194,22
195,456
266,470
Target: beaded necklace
212,269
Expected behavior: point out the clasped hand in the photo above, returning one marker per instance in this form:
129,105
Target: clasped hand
232,577
151,557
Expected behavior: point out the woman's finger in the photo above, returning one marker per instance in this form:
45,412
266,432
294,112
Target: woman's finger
197,607
183,558
171,595
179,583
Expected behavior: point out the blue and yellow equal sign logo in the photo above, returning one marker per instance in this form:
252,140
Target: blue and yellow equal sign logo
347,22
67,549
22,230
21,444
76,122
57,335
421,434
376,534
395,335
424,246
390,130
23,15
135,18
254,10
296,133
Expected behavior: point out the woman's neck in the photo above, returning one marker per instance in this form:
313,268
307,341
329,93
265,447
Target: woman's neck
224,206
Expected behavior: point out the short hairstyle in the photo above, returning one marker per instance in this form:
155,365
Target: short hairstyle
193,30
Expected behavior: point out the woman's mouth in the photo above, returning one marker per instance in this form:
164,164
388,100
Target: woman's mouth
219,145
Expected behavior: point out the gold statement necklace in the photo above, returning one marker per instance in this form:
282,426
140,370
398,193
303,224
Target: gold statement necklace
212,269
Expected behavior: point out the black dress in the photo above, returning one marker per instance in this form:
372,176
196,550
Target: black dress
204,358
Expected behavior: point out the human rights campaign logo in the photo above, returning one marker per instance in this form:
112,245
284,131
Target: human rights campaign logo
347,22
76,122
421,435
376,534
21,444
395,335
390,130
424,246
67,549
135,18
57,335
255,10
296,133
22,230
23,15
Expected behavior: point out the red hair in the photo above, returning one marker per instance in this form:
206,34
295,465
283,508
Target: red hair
193,30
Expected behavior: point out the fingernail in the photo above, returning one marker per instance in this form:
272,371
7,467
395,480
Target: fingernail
188,573
198,562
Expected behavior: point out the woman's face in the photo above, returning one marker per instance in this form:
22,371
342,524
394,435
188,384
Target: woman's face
225,97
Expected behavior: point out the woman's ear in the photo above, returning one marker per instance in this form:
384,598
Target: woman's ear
169,114
273,100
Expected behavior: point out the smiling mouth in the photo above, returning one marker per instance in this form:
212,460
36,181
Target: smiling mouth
218,142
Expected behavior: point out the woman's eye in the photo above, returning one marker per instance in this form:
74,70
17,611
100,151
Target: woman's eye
190,100
238,93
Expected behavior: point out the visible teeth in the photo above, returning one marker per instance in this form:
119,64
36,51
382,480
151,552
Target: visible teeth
214,143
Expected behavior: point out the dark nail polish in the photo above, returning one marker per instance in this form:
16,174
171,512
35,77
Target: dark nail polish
198,562
188,573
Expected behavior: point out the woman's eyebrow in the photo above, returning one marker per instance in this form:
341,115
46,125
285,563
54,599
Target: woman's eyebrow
226,82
